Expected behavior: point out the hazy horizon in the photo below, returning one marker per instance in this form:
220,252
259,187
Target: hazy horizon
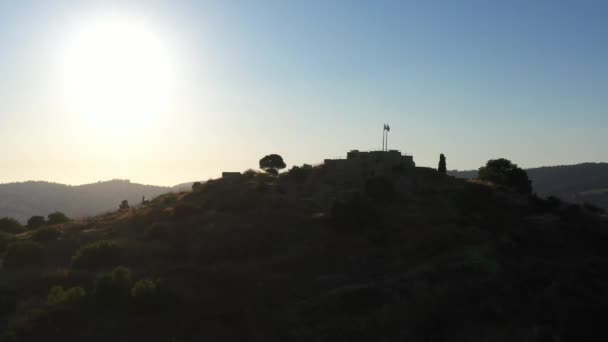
166,92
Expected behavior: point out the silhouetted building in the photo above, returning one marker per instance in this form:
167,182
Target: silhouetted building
369,163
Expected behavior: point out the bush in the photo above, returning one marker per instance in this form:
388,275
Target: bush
250,173
57,218
23,254
113,288
300,173
353,213
380,188
124,205
145,293
5,240
10,225
96,255
196,186
184,210
35,222
593,208
46,234
69,298
157,231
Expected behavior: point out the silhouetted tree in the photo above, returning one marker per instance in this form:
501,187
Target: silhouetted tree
504,172
124,205
36,222
196,185
442,167
272,163
10,225
57,217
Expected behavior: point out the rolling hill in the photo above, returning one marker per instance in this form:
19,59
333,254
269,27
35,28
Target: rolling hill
587,182
307,256
23,200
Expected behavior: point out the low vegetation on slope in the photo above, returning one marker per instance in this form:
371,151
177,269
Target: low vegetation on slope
414,255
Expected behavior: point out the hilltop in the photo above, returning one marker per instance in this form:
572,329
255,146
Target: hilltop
586,182
306,256
26,199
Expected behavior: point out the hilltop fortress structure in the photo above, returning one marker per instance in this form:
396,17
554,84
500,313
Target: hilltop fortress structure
369,164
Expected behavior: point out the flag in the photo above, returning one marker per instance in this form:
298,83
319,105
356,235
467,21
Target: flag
388,128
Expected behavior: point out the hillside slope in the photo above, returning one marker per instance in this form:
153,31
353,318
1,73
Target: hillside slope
587,182
307,256
23,200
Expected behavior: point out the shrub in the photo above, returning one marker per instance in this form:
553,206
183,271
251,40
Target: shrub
145,293
184,210
157,231
35,222
300,173
593,208
57,218
250,173
96,255
113,288
46,234
353,213
5,240
124,205
10,225
380,188
23,254
196,186
71,297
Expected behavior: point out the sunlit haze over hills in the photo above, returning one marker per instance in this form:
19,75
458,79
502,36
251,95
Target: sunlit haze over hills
164,92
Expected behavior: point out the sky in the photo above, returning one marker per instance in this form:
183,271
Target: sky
164,92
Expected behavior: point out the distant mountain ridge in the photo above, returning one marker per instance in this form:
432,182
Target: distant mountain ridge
25,199
586,182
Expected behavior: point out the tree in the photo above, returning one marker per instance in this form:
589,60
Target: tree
57,217
10,225
504,172
272,163
36,222
442,167
124,205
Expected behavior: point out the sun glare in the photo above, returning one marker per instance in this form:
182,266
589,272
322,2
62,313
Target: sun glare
118,72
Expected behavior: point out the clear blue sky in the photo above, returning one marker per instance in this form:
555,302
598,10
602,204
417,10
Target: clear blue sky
525,80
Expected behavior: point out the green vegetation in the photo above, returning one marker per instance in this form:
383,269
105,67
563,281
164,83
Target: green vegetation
313,255
503,172
36,222
45,234
124,205
96,255
5,240
57,218
10,225
272,163
23,253
58,297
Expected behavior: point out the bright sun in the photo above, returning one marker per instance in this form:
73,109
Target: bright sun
118,72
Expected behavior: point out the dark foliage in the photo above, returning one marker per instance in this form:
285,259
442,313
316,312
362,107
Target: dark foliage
113,288
23,253
45,234
442,166
124,205
36,222
10,225
196,186
353,213
57,218
65,299
96,255
5,240
272,163
503,172
380,188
